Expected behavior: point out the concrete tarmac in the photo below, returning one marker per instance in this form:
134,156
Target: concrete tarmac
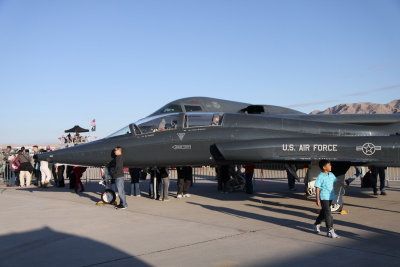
273,227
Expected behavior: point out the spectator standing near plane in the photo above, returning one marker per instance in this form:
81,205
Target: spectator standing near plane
164,176
359,173
248,173
291,176
25,168
135,173
8,173
60,168
223,177
44,172
185,176
154,176
118,175
36,166
13,174
375,171
78,174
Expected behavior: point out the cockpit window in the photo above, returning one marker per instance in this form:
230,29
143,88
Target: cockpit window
190,108
158,123
203,119
217,120
123,131
171,109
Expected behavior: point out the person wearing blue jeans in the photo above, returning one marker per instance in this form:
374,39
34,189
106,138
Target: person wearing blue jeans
248,173
291,176
357,174
135,173
381,171
118,175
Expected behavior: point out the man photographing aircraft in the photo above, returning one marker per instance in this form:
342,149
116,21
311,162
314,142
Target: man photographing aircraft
118,175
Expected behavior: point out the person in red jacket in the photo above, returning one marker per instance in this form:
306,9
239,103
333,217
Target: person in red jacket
78,174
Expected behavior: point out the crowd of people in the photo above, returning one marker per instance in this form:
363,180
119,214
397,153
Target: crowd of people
76,139
23,170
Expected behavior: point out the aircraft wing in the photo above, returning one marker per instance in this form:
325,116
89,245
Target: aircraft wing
379,151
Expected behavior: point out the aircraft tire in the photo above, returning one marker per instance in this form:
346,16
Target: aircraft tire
108,196
337,207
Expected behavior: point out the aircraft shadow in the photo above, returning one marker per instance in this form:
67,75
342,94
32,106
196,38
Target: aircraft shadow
266,198
91,187
296,224
46,247
289,223
370,208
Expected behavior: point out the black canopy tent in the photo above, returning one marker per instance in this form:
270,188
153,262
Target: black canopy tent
77,129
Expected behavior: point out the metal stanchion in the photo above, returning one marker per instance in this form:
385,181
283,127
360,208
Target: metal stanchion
155,184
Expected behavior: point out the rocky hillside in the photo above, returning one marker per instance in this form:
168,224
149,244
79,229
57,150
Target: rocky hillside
362,108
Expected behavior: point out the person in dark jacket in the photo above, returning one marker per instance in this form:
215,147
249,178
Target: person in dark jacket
25,167
223,178
185,176
8,171
36,166
135,173
78,174
249,173
164,176
118,175
60,175
71,176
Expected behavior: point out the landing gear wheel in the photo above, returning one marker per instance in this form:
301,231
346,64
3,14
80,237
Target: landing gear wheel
337,207
108,196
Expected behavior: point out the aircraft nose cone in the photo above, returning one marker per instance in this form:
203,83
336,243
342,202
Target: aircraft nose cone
90,154
47,156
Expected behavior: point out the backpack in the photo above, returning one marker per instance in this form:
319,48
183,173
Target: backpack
163,173
368,181
143,175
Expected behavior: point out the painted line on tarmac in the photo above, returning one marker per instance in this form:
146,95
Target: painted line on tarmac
173,248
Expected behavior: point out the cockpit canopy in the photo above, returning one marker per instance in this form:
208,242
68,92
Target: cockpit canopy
159,123
171,121
123,131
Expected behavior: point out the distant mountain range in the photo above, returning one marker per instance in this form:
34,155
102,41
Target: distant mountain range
362,108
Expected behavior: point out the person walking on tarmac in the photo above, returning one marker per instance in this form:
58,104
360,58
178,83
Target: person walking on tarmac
325,193
118,175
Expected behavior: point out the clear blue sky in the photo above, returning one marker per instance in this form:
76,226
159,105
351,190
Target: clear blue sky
66,62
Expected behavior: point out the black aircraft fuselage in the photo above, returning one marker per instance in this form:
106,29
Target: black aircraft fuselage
202,138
